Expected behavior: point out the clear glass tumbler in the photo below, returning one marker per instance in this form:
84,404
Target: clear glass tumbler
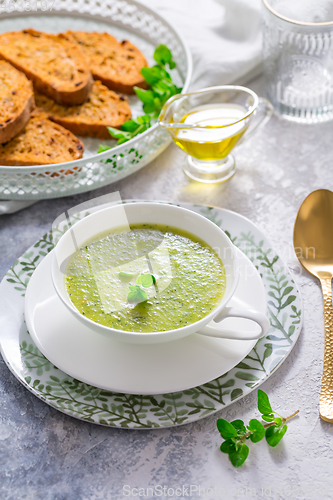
298,58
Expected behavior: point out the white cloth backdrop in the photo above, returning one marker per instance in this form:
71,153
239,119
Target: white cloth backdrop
224,37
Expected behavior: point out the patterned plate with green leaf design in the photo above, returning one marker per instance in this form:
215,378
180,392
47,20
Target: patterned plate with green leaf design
95,405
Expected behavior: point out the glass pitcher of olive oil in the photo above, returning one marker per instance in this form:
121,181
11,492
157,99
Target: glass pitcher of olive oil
209,123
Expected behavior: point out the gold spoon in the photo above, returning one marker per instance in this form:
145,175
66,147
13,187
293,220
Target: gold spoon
313,243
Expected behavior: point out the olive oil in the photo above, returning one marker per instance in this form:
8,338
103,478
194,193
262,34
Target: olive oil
220,126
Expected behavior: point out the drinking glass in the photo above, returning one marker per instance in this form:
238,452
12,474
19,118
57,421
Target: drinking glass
209,123
298,58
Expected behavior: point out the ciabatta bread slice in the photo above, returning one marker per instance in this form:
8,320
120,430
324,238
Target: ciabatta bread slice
104,108
56,66
116,64
41,142
16,101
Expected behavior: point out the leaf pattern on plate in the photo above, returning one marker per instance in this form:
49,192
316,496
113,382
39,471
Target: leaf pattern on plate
113,409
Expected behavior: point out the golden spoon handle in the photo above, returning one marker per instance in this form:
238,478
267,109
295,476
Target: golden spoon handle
326,393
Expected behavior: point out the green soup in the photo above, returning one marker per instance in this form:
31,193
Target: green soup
152,278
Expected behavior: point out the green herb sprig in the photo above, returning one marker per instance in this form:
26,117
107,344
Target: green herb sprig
161,88
129,129
136,293
236,433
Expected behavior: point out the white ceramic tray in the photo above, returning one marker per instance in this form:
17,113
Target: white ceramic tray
125,19
115,409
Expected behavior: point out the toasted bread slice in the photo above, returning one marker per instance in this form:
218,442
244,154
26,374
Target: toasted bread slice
116,64
42,142
56,66
16,101
104,108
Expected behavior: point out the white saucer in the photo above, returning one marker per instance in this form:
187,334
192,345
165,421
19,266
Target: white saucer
130,368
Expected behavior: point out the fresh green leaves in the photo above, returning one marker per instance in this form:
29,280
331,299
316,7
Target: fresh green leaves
264,407
238,457
234,446
263,403
150,102
268,418
146,280
136,293
257,430
132,126
239,426
274,434
162,55
129,129
161,89
228,446
160,92
236,433
160,82
153,74
226,429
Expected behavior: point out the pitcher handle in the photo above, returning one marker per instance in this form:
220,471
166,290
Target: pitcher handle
236,312
263,114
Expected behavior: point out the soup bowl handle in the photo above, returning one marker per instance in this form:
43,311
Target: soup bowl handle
236,312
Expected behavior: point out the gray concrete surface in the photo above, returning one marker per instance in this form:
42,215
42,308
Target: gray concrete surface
47,455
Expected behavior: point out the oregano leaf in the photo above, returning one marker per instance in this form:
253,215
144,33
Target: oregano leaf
136,295
162,54
268,418
258,430
263,403
130,126
237,458
161,88
235,433
146,280
228,446
226,429
146,96
274,434
239,426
